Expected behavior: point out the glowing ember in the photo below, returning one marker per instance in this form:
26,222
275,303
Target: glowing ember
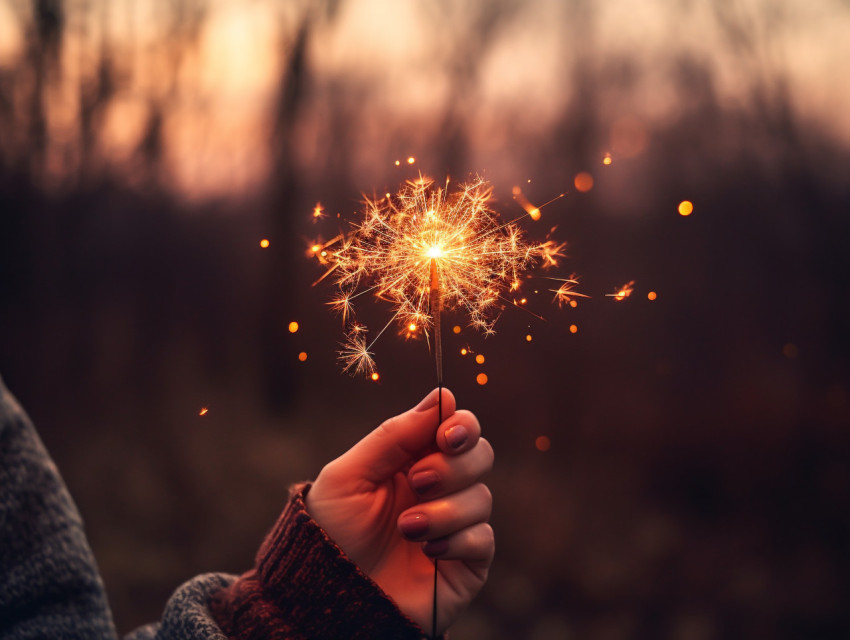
530,209
318,211
204,411
651,295
411,160
479,359
302,356
375,376
293,327
623,292
264,243
481,379
425,234
686,208
528,338
607,160
456,328
573,328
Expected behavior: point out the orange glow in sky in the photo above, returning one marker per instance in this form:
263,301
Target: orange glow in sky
217,79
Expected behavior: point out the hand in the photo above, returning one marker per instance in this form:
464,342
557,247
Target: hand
407,491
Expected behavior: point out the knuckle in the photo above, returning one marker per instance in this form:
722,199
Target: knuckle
487,452
484,493
489,538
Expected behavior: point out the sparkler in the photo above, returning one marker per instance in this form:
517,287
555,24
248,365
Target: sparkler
427,249
424,250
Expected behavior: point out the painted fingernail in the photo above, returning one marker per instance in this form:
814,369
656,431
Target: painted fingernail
413,525
428,401
456,436
436,548
424,481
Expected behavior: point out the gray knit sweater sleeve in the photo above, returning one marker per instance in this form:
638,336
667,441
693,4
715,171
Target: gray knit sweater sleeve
49,584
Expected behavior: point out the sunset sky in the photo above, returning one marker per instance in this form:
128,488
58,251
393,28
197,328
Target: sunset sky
220,72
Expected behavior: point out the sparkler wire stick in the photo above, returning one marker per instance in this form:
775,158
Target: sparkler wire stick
436,308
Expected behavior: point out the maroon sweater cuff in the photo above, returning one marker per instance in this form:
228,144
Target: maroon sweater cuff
304,586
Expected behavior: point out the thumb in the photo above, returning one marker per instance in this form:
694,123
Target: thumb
399,441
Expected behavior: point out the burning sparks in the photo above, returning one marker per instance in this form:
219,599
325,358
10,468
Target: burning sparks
204,411
318,211
623,292
355,355
425,237
530,209
564,294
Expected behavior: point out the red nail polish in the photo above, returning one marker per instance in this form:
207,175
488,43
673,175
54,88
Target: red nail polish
456,436
413,525
424,481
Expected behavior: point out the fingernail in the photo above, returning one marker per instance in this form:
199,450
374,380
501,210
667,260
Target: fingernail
413,525
456,436
428,401
424,481
436,548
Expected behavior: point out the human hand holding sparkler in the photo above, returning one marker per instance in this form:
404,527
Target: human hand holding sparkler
407,491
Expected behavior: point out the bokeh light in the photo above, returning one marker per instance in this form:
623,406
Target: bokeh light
542,443
583,181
